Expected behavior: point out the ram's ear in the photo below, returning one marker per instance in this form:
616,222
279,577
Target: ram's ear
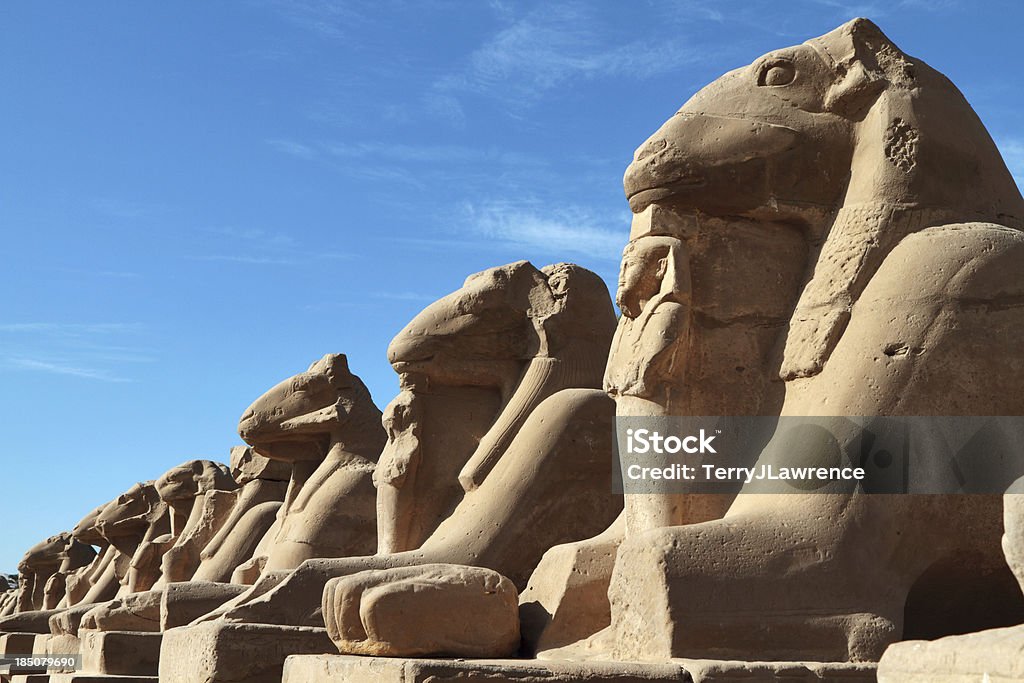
855,92
335,367
865,63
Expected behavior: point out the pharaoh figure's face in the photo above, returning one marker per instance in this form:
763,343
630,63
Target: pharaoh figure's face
402,421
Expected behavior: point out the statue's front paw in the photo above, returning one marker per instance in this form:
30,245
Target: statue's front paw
260,611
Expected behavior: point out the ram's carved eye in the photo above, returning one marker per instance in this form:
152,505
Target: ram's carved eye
777,73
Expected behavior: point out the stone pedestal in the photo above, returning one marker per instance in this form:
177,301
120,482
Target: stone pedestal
98,678
993,656
222,651
63,644
18,644
121,653
352,669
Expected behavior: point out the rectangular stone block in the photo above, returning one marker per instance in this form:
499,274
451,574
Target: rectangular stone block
992,656
100,678
17,644
122,653
39,643
216,651
63,644
713,671
352,669
12,644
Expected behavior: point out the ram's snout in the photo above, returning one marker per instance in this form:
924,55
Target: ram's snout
697,157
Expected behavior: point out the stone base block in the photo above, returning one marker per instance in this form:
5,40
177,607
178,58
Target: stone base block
713,670
122,653
993,656
100,678
18,644
353,669
63,644
219,652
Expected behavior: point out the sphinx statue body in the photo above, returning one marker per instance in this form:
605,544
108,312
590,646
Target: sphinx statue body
44,570
498,448
992,654
856,191
125,524
826,233
151,536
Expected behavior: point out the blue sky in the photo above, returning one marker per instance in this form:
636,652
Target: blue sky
198,200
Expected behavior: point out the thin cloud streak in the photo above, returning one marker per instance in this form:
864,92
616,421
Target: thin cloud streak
256,246
80,350
571,231
292,148
122,209
247,259
404,296
71,329
62,369
551,46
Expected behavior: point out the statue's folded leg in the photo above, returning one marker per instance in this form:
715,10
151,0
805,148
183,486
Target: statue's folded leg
35,621
296,600
182,603
139,612
828,577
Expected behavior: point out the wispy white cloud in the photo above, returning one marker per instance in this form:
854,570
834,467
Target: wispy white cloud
93,351
445,107
878,9
71,329
248,259
257,235
405,296
121,208
324,17
552,45
433,154
292,148
350,20
96,273
562,233
295,259
63,369
259,247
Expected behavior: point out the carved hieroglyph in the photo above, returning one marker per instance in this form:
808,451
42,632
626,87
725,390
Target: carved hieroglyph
872,167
